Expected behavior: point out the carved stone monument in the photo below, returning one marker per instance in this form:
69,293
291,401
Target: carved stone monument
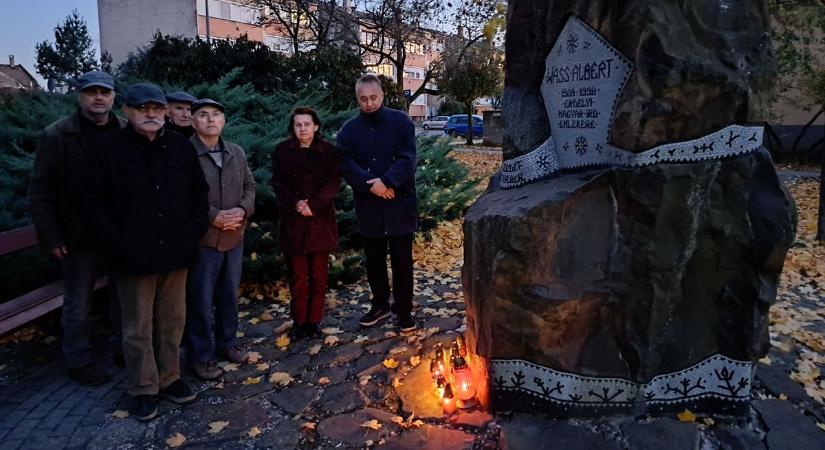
625,256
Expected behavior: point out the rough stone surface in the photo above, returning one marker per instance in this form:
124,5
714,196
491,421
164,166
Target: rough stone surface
737,439
523,432
634,273
473,418
621,273
429,437
295,399
662,433
347,428
787,427
341,398
193,422
777,381
417,394
698,67
285,435
342,355
293,364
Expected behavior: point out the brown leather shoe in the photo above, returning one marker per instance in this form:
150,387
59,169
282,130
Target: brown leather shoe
234,354
207,370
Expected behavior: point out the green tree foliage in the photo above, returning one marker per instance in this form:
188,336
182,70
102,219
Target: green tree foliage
470,72
187,62
450,107
70,55
257,122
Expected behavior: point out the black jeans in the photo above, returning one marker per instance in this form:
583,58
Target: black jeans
400,249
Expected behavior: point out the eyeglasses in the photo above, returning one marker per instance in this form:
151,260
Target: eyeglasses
150,107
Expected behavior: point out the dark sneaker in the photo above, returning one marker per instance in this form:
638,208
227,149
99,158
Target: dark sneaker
311,331
178,392
296,333
143,407
234,354
407,324
374,316
88,375
207,370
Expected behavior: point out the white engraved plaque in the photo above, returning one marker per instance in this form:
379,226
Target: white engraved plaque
583,78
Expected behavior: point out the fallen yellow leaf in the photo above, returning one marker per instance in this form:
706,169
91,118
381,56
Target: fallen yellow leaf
254,321
315,349
282,342
281,378
360,339
415,360
821,426
390,363
323,380
217,427
332,330
254,432
266,316
252,380
686,416
176,440
262,367
120,414
331,340
228,366
372,424
253,357
239,334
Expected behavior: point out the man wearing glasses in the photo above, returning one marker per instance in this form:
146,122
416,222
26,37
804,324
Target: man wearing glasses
149,203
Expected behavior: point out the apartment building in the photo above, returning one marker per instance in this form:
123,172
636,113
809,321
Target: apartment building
127,25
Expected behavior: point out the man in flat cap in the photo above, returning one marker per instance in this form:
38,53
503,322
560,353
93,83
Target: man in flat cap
149,202
56,195
213,281
178,115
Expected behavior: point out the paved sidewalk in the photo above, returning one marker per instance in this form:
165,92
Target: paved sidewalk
326,393
49,411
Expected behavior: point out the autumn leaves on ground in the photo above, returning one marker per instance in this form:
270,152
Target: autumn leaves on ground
798,317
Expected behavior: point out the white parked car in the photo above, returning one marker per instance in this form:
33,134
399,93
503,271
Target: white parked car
434,123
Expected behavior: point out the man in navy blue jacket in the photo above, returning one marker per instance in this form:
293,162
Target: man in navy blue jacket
378,159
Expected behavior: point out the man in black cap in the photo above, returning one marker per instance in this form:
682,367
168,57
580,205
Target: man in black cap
178,115
213,281
57,201
149,202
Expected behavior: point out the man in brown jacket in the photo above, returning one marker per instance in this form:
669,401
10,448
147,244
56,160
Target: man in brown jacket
56,196
214,280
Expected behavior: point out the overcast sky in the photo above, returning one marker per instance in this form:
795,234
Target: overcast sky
24,23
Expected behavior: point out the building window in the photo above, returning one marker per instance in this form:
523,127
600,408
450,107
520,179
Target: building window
383,69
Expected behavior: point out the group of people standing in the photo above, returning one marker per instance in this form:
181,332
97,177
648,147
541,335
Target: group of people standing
159,202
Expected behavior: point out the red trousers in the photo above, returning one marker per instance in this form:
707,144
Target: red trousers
308,286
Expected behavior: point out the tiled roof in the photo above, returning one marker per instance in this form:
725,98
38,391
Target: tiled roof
16,77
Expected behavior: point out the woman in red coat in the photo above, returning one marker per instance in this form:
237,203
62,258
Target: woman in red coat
305,177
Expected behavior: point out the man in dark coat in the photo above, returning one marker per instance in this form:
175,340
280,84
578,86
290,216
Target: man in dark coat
378,160
178,112
149,202
56,195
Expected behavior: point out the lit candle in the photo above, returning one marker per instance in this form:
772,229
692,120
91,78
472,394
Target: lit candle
462,346
440,384
463,377
448,400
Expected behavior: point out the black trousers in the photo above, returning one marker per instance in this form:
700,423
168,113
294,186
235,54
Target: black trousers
400,250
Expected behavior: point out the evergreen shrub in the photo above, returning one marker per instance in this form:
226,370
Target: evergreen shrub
257,122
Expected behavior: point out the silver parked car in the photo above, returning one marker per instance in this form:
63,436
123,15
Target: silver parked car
434,123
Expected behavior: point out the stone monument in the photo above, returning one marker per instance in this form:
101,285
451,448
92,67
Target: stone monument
624,258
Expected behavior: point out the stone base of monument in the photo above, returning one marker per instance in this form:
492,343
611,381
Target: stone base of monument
627,290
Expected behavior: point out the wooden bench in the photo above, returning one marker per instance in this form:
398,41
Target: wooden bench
22,310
